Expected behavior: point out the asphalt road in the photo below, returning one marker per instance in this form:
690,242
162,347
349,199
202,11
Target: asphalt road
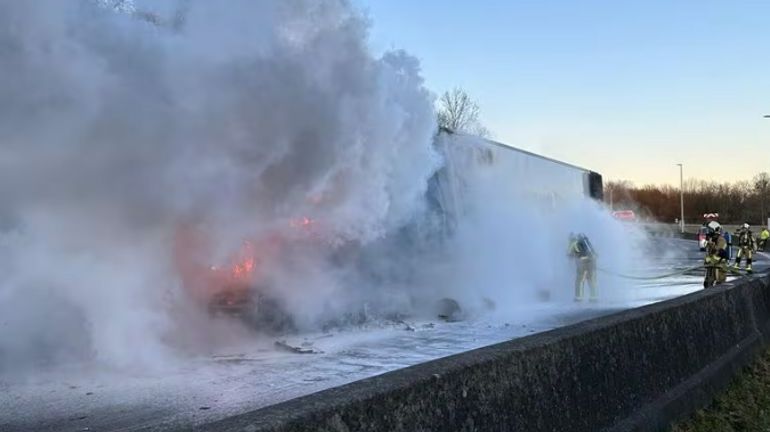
251,375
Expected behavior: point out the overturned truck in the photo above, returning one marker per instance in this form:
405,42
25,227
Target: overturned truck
241,286
519,173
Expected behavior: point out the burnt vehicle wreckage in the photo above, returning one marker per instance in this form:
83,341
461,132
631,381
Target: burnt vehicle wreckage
241,290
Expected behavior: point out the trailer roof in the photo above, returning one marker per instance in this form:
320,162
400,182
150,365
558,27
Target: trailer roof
529,153
510,147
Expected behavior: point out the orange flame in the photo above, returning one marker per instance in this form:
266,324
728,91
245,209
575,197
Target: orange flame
244,268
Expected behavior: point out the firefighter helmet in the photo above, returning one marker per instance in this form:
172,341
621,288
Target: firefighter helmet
714,227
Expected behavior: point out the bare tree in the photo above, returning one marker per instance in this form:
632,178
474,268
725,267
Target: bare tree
616,192
459,113
736,202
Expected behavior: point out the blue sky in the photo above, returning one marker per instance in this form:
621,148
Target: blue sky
626,88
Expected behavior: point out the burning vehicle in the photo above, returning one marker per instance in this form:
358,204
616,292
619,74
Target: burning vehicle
240,285
239,290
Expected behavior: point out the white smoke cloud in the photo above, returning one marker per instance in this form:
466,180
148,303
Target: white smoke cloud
119,130
141,143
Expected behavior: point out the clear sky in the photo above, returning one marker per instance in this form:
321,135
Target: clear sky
626,88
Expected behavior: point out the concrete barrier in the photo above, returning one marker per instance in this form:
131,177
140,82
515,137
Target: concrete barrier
635,370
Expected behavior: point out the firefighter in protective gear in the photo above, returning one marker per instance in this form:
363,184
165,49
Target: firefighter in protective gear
746,247
716,256
763,237
582,252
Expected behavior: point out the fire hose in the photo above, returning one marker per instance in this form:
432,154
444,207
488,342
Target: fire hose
663,276
676,273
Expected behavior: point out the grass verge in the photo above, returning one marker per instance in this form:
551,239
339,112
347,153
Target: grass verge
744,407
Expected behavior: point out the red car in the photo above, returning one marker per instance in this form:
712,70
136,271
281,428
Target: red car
625,215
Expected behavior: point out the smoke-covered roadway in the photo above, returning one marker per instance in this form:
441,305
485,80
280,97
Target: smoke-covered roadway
246,376
144,143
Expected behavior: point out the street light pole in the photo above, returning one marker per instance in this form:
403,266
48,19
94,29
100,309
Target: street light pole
681,198
612,200
767,116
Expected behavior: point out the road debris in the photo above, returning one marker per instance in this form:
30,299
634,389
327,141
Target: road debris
407,326
449,310
283,345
